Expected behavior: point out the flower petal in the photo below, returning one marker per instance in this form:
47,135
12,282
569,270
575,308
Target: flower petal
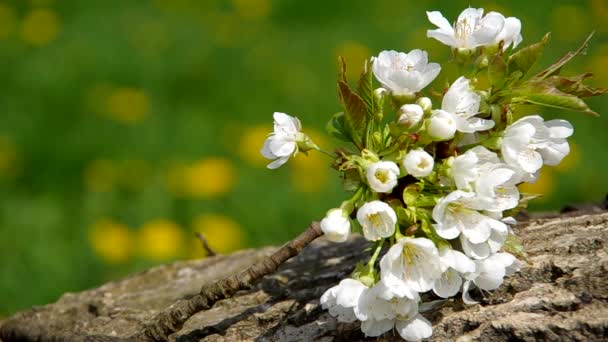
415,329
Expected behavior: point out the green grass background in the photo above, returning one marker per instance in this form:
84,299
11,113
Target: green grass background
195,77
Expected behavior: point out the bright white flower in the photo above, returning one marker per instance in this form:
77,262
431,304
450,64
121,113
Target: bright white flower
404,73
441,125
454,264
380,314
510,34
342,299
336,225
463,102
454,214
410,115
410,265
285,141
382,176
377,219
484,249
489,273
472,29
418,163
529,142
494,183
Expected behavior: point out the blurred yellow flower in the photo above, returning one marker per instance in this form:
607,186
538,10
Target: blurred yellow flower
205,178
100,175
355,54
311,173
223,234
40,27
252,9
127,105
8,158
251,143
111,241
160,240
543,186
576,29
7,21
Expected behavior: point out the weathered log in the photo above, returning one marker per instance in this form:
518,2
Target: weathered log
562,294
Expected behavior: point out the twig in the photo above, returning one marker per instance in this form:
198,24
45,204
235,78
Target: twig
205,244
172,319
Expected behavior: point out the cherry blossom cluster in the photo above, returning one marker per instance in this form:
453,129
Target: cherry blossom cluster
434,172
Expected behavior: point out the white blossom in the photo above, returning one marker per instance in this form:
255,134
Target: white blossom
441,125
494,183
410,265
285,141
382,176
410,115
463,102
336,225
510,34
418,163
380,314
342,299
530,141
454,214
377,219
472,28
404,73
486,248
490,272
454,265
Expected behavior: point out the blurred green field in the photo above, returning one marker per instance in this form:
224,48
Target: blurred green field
126,125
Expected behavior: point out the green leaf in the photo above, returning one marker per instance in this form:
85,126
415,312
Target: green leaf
497,69
558,92
335,127
351,179
514,246
570,85
365,89
524,59
556,67
355,110
555,99
355,114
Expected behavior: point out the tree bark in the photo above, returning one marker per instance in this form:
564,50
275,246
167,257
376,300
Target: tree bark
562,294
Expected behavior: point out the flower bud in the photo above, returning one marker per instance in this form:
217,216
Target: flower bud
418,163
425,103
442,125
336,225
410,115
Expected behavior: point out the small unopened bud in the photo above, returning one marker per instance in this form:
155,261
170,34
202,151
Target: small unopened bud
425,103
380,92
410,115
304,142
442,125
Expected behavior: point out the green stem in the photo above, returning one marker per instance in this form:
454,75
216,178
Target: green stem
372,260
326,153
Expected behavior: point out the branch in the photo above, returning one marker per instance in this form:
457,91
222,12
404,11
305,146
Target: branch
172,318
205,244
